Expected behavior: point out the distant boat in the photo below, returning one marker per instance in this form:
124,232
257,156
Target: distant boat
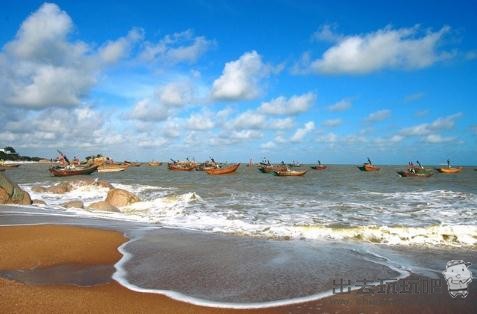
224,170
132,164
72,171
290,173
8,166
271,168
112,167
416,172
368,167
181,166
449,170
154,163
319,166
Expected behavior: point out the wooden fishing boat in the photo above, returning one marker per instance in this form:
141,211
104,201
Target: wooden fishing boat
72,171
224,170
290,173
181,166
154,163
416,172
112,167
132,163
271,168
9,166
449,170
319,167
368,167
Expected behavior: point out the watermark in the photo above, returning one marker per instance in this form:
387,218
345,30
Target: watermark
458,277
388,286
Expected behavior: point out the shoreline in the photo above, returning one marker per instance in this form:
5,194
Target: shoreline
37,247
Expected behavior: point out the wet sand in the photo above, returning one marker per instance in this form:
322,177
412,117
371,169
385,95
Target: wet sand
30,247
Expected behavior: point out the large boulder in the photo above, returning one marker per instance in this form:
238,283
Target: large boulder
73,204
104,206
60,188
11,193
120,197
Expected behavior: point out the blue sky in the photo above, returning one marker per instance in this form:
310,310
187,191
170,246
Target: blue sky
290,80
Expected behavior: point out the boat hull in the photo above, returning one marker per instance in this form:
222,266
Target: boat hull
449,170
106,168
368,167
270,169
225,170
64,172
425,174
319,167
179,167
291,173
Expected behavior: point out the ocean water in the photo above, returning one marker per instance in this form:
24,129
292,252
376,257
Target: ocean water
251,239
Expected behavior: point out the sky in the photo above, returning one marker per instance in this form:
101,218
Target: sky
237,80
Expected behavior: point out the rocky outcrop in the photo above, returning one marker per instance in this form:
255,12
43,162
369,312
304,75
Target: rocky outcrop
11,193
39,189
60,188
120,197
73,204
104,206
38,202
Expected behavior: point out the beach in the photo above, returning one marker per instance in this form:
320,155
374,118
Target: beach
244,242
45,246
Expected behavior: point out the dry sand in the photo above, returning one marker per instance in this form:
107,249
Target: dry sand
29,247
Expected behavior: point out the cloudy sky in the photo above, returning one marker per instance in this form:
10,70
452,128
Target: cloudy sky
289,80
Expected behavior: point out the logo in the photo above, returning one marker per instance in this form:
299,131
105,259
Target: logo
458,277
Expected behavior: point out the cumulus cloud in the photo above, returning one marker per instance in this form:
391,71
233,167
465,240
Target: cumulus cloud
177,48
326,32
436,139
281,124
379,115
41,67
113,51
147,110
302,132
248,120
240,79
341,105
200,121
387,48
293,105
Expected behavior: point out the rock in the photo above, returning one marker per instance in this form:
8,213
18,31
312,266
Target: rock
11,193
120,197
39,189
38,202
104,184
60,188
104,206
73,204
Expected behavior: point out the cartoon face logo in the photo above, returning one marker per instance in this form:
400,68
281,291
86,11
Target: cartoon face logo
458,277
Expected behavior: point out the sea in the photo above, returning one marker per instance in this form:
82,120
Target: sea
253,240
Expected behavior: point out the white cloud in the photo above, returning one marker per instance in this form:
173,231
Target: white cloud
413,97
248,120
281,124
268,145
327,138
294,105
176,94
42,68
436,139
386,48
379,115
112,51
331,123
240,79
200,122
177,48
429,128
302,132
341,105
326,32
146,110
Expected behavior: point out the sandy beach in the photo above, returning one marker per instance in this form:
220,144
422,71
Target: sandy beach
28,247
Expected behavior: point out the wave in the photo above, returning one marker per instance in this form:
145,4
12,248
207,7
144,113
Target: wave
413,218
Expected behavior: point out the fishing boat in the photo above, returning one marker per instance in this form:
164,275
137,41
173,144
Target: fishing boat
449,170
72,171
9,166
290,173
112,168
319,166
416,172
181,166
224,170
154,163
272,168
132,163
368,167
